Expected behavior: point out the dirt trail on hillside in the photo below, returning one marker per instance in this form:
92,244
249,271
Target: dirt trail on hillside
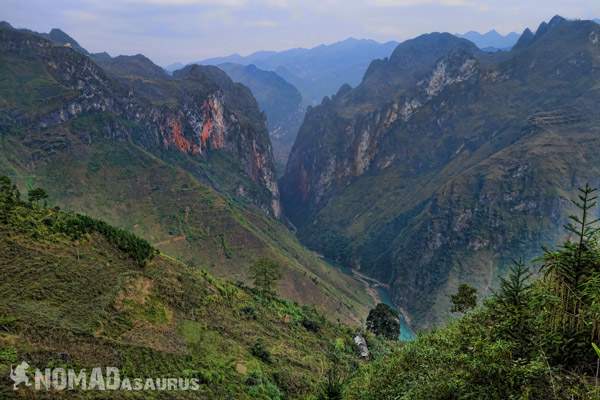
371,285
169,241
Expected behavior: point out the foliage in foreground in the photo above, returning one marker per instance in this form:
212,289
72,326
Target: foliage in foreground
74,296
530,340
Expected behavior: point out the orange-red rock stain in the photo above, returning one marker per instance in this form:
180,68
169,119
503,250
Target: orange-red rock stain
179,140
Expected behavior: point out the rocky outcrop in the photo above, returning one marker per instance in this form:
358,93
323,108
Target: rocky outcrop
280,101
361,345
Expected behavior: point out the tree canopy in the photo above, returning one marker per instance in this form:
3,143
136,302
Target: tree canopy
384,321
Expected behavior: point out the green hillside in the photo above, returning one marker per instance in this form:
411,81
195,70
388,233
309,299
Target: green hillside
78,293
129,187
532,339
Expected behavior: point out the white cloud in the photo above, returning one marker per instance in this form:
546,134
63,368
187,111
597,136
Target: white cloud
262,23
222,3
411,3
80,16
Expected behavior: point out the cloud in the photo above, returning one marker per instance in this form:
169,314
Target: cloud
412,3
221,3
80,16
262,23
277,3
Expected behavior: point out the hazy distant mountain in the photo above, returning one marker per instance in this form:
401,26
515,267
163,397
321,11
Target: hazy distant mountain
278,99
319,71
174,67
491,40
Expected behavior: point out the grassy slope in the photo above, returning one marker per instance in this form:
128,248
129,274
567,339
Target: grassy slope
84,304
121,183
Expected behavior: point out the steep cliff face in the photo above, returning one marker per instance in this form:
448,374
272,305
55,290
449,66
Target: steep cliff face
198,112
280,101
340,139
445,161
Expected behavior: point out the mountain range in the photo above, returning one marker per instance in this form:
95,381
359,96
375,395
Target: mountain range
446,162
183,161
319,71
144,224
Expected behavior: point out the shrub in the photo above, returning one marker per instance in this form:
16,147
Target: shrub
249,312
384,321
260,351
310,325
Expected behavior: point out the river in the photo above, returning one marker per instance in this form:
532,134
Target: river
381,294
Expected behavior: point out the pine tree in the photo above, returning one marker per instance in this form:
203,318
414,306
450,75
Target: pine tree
515,288
567,268
512,307
265,273
464,299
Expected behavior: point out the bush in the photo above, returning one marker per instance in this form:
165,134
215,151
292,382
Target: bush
260,351
310,325
249,312
384,321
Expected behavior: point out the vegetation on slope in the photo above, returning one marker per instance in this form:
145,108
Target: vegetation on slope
530,340
111,165
73,296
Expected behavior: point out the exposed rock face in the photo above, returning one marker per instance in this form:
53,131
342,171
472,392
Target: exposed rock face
280,101
199,111
446,162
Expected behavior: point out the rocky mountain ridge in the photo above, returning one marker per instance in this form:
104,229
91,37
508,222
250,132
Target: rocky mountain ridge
446,162
204,118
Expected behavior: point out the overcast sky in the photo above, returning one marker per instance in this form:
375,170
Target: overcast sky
188,30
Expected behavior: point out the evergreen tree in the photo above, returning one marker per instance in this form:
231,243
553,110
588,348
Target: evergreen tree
464,299
515,288
512,307
568,268
9,198
265,273
36,195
